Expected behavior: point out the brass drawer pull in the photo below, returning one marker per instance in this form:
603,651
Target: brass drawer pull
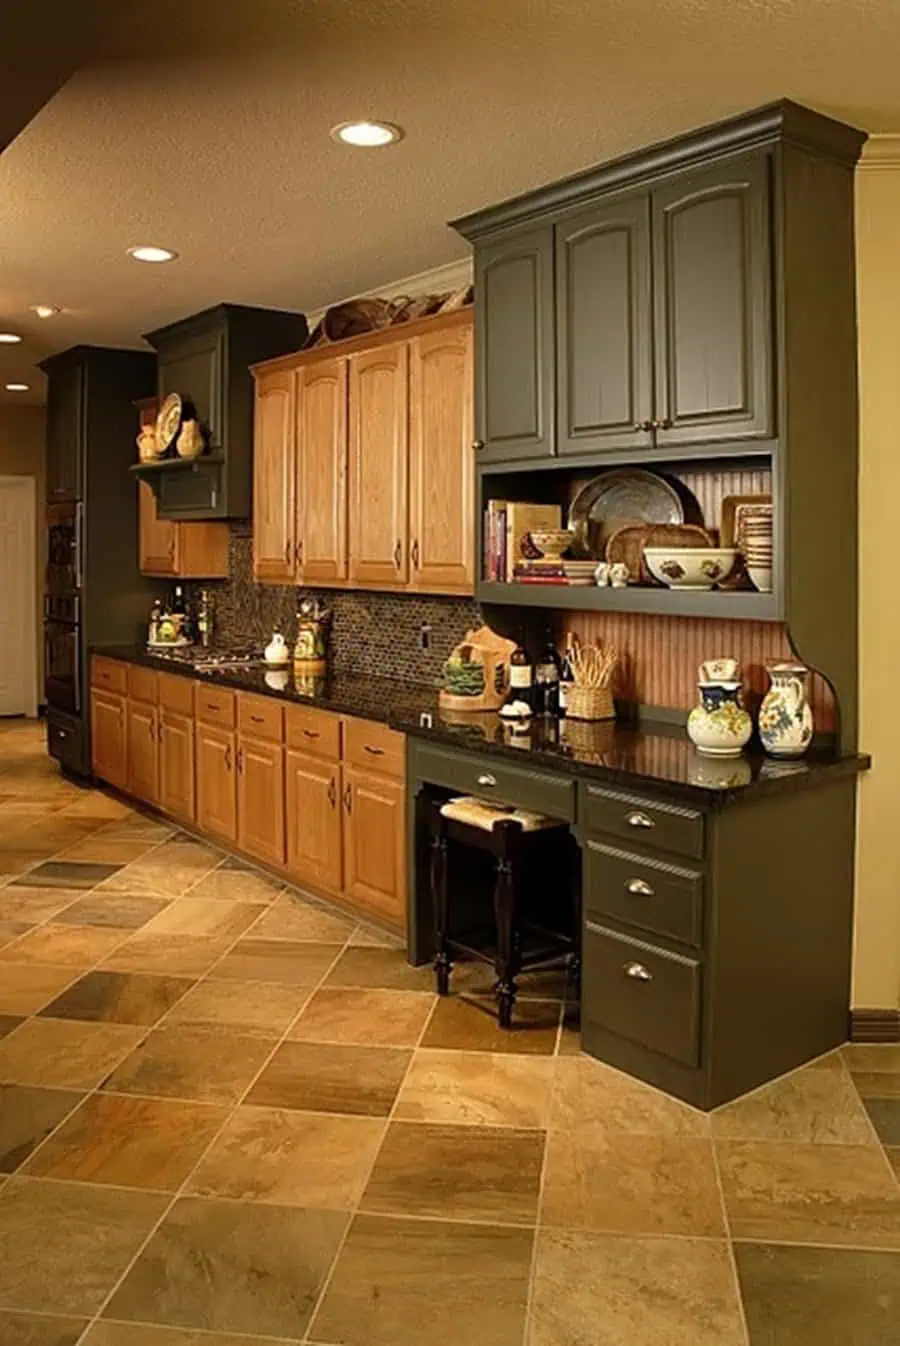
209,706
376,752
257,719
639,819
487,779
311,733
332,792
637,972
228,757
638,888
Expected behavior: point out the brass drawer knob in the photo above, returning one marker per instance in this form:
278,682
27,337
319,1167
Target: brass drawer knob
638,888
638,819
487,779
637,972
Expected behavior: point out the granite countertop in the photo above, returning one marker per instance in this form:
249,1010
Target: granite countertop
626,755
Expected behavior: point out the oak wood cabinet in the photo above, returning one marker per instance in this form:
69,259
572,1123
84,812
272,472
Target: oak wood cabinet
143,750
315,842
109,736
176,764
321,441
274,477
260,806
168,549
217,799
379,466
375,843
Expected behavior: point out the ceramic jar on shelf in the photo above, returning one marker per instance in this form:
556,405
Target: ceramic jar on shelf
785,716
718,725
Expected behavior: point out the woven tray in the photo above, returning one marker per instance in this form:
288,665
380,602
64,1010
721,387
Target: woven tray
626,546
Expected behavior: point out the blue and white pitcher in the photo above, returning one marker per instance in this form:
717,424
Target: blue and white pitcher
785,716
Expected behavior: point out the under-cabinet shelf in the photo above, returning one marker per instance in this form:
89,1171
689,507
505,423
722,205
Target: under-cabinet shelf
729,605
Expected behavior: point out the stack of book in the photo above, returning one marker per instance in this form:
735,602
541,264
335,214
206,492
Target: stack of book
507,541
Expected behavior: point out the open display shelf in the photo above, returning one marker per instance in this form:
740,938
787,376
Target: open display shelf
732,605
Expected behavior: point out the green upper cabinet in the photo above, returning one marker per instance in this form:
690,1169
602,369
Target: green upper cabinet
65,429
197,363
712,281
604,372
515,347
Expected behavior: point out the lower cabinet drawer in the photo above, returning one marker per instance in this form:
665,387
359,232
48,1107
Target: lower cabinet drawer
643,993
652,822
490,778
214,705
647,893
260,717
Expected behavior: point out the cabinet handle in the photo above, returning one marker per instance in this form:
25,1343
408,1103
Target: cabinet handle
210,707
348,799
257,719
376,752
645,424
240,760
638,888
311,733
398,555
415,554
228,757
637,972
477,445
332,793
639,819
298,552
664,423
288,551
487,779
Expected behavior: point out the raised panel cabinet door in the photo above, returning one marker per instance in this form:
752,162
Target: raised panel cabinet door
604,328
65,430
713,304
143,751
216,782
514,349
273,477
375,844
109,738
440,462
322,471
261,799
313,816
193,367
176,764
157,538
379,411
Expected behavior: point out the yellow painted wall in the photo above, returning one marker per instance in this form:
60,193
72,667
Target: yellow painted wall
876,972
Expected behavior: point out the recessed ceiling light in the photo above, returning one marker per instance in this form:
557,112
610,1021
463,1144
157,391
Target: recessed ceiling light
17,387
9,339
367,135
44,310
148,253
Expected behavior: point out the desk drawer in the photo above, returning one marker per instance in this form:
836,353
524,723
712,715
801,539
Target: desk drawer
664,827
490,778
142,684
374,747
316,732
644,892
109,674
260,717
643,993
213,705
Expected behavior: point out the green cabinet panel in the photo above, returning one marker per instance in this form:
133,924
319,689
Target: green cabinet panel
193,368
65,431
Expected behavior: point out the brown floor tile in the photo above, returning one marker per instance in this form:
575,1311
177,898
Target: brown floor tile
862,1056
839,1194
67,874
290,1159
813,1104
133,1334
65,945
816,1296
25,988
893,1154
7,1023
118,910
179,955
129,1142
478,1088
404,1282
119,998
232,1268
877,1083
30,1329
371,1018
602,1290
287,961
291,918
255,1008
884,1114
237,885
457,1173
196,916
96,804
141,880
27,1116
35,905
14,860
63,1055
315,1077
475,977
367,937
207,1065
569,1040
97,849
10,930
471,1025
65,1245
385,969
585,1088
137,827
613,1182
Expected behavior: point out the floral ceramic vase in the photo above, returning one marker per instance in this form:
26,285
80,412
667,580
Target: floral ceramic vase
785,716
190,442
718,726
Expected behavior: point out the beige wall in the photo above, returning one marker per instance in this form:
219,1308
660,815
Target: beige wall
22,454
876,976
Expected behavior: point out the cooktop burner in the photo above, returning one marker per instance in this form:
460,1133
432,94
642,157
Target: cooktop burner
203,659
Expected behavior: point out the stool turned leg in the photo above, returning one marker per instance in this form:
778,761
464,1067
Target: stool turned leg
442,965
505,915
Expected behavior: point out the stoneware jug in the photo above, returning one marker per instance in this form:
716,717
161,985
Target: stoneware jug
785,716
277,654
718,726
190,440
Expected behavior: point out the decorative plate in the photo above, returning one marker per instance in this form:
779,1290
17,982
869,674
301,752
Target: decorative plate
626,546
168,422
626,496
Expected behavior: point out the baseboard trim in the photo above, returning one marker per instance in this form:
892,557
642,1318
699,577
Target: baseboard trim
875,1025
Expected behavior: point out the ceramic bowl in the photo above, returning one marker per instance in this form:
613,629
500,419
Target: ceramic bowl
552,542
690,567
761,578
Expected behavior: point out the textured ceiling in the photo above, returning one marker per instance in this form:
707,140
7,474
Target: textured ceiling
204,126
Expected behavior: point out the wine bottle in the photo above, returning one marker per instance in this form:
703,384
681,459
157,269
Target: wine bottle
521,677
566,679
547,679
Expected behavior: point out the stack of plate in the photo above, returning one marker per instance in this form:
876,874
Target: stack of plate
753,524
579,573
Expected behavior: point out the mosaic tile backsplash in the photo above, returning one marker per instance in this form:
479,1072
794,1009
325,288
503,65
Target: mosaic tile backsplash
377,634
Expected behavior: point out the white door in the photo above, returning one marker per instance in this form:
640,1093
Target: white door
18,597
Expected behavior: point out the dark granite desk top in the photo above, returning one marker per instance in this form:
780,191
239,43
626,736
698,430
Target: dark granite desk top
655,754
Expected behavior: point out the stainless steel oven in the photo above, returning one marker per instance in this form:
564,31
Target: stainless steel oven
64,549
62,665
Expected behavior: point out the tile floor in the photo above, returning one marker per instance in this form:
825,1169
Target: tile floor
229,1116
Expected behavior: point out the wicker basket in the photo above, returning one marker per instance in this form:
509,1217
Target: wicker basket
590,703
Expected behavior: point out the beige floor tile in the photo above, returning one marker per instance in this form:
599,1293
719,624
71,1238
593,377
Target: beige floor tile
255,1008
384,969
212,1066
140,880
98,805
119,998
177,955
611,1181
27,1116
10,930
602,1290
320,1077
134,1334
35,904
137,827
470,1024
196,916
809,1193
86,1235
26,988
877,1083
367,937
129,1142
477,1088
64,945
237,885
65,1055
864,1056
810,1105
586,1088
111,910
32,1329
365,1017
107,851
290,1158
893,1154
290,918
291,962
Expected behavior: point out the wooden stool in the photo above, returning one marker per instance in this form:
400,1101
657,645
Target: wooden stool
514,838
